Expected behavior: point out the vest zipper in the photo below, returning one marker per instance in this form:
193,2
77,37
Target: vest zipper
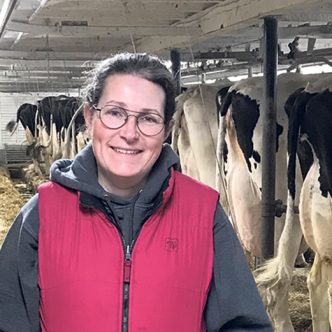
126,282
127,266
127,269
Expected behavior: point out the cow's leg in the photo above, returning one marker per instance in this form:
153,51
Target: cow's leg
318,292
245,213
329,290
274,278
330,302
300,259
37,167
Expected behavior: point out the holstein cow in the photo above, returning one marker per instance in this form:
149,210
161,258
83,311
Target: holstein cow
310,137
50,129
55,114
242,120
194,135
27,114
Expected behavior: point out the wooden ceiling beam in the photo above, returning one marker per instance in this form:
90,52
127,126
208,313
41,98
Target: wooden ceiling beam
49,55
117,31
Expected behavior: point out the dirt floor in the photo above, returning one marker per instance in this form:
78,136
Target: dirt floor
11,201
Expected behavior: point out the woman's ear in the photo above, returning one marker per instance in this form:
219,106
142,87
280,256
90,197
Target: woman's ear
88,115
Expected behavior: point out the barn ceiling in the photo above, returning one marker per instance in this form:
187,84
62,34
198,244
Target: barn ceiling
49,45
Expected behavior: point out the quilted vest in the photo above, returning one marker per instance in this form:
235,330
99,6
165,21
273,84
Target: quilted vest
82,263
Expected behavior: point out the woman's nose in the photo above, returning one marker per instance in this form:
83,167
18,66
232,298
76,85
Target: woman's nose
130,130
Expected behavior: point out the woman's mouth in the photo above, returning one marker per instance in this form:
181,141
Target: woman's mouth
126,151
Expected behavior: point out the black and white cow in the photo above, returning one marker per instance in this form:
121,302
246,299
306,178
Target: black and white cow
309,139
194,134
58,132
242,121
55,115
50,130
25,114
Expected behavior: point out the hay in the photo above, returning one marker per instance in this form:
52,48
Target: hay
299,305
31,178
11,202
298,300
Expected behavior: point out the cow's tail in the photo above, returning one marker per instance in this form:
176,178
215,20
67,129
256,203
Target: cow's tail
224,100
295,120
221,184
67,146
177,118
289,104
11,126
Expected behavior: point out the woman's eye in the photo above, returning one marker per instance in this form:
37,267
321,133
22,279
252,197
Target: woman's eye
114,111
147,118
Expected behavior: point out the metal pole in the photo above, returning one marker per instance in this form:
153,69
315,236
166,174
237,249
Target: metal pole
250,71
176,69
269,135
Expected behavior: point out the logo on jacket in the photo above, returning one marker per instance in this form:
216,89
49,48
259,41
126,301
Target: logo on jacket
171,244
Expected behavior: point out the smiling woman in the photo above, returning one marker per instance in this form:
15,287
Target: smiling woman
135,99
119,239
125,154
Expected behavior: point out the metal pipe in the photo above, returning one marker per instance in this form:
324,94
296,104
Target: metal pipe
269,118
176,69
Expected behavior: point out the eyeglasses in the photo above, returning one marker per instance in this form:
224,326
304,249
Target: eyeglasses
115,117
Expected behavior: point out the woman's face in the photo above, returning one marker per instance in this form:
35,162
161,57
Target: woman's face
125,156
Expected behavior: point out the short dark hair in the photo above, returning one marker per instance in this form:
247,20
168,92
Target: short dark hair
147,66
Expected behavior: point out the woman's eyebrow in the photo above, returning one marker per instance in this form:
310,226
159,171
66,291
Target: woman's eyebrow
119,103
124,105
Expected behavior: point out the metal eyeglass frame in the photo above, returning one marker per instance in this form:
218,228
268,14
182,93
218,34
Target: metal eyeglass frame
126,119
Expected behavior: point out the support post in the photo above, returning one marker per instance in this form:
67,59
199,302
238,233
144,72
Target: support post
176,69
269,135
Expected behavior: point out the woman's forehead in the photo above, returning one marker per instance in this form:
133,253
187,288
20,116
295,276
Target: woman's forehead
132,91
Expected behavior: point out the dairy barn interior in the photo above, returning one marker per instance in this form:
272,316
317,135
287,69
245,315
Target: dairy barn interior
47,47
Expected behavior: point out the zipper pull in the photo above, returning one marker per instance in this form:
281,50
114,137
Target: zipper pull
127,265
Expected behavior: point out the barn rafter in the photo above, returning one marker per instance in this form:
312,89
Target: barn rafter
41,36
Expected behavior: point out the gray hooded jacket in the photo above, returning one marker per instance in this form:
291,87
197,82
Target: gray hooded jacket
233,302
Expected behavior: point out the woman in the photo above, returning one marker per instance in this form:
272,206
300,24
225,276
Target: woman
118,240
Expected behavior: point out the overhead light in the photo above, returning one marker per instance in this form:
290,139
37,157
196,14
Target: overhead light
41,5
19,36
6,10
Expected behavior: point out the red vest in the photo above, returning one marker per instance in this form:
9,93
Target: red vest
81,263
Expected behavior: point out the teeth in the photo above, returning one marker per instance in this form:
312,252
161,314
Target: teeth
125,151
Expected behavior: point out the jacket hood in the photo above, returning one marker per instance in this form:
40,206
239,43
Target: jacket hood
81,173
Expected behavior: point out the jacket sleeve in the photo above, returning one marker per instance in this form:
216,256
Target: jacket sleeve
19,293
233,303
